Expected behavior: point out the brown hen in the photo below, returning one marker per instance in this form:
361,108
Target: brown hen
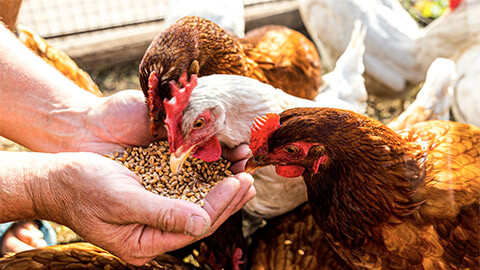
57,59
276,55
293,241
384,200
9,10
82,256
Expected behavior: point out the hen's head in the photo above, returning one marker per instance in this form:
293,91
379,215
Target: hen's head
190,128
171,53
310,140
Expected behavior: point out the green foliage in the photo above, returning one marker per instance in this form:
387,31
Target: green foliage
425,11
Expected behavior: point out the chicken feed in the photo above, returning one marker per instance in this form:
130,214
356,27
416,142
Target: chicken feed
192,183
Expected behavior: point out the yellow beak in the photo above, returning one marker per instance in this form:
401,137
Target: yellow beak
177,159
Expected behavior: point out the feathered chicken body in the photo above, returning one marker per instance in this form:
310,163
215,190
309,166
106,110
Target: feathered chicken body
82,256
293,241
384,200
434,100
466,94
272,54
221,110
398,52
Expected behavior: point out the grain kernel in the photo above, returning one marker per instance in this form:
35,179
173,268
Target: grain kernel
192,183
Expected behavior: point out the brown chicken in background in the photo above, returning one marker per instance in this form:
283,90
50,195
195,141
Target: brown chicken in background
82,256
9,10
275,55
382,199
58,59
293,241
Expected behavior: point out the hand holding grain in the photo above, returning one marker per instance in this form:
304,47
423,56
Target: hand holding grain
105,203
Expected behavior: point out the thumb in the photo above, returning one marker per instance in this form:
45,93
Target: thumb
169,215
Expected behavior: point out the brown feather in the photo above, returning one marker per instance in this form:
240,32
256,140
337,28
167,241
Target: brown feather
82,256
293,241
279,56
406,200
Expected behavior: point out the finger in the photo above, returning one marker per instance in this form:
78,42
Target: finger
28,233
246,188
238,153
238,166
153,242
245,193
221,196
169,215
13,244
251,192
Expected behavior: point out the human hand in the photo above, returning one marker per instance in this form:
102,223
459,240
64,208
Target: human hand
22,236
238,156
116,122
105,204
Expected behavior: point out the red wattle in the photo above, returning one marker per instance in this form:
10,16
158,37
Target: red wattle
209,151
289,171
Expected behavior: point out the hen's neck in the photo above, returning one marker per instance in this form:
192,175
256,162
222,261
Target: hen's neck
243,99
364,190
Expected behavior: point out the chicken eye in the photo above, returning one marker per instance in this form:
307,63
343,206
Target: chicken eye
292,150
199,123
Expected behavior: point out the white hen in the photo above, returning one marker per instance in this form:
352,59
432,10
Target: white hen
466,90
398,52
223,107
434,100
229,15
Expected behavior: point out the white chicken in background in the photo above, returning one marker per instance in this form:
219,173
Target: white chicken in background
346,81
230,15
398,52
222,109
466,90
434,100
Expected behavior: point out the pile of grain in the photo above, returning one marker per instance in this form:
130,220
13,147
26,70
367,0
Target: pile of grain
192,183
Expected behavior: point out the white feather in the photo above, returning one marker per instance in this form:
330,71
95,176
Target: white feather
235,101
434,100
346,82
398,52
466,89
229,15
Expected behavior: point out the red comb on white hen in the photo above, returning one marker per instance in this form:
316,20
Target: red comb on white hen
174,108
262,128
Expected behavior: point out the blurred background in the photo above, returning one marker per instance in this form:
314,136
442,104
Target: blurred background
93,32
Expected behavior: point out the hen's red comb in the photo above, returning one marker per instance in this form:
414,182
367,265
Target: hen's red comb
174,109
262,128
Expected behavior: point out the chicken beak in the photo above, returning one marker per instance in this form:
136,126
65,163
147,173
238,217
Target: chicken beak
177,159
153,127
252,165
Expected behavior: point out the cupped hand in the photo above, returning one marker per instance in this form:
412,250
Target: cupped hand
116,122
22,236
105,204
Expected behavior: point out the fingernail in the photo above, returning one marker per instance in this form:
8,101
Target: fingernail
196,226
